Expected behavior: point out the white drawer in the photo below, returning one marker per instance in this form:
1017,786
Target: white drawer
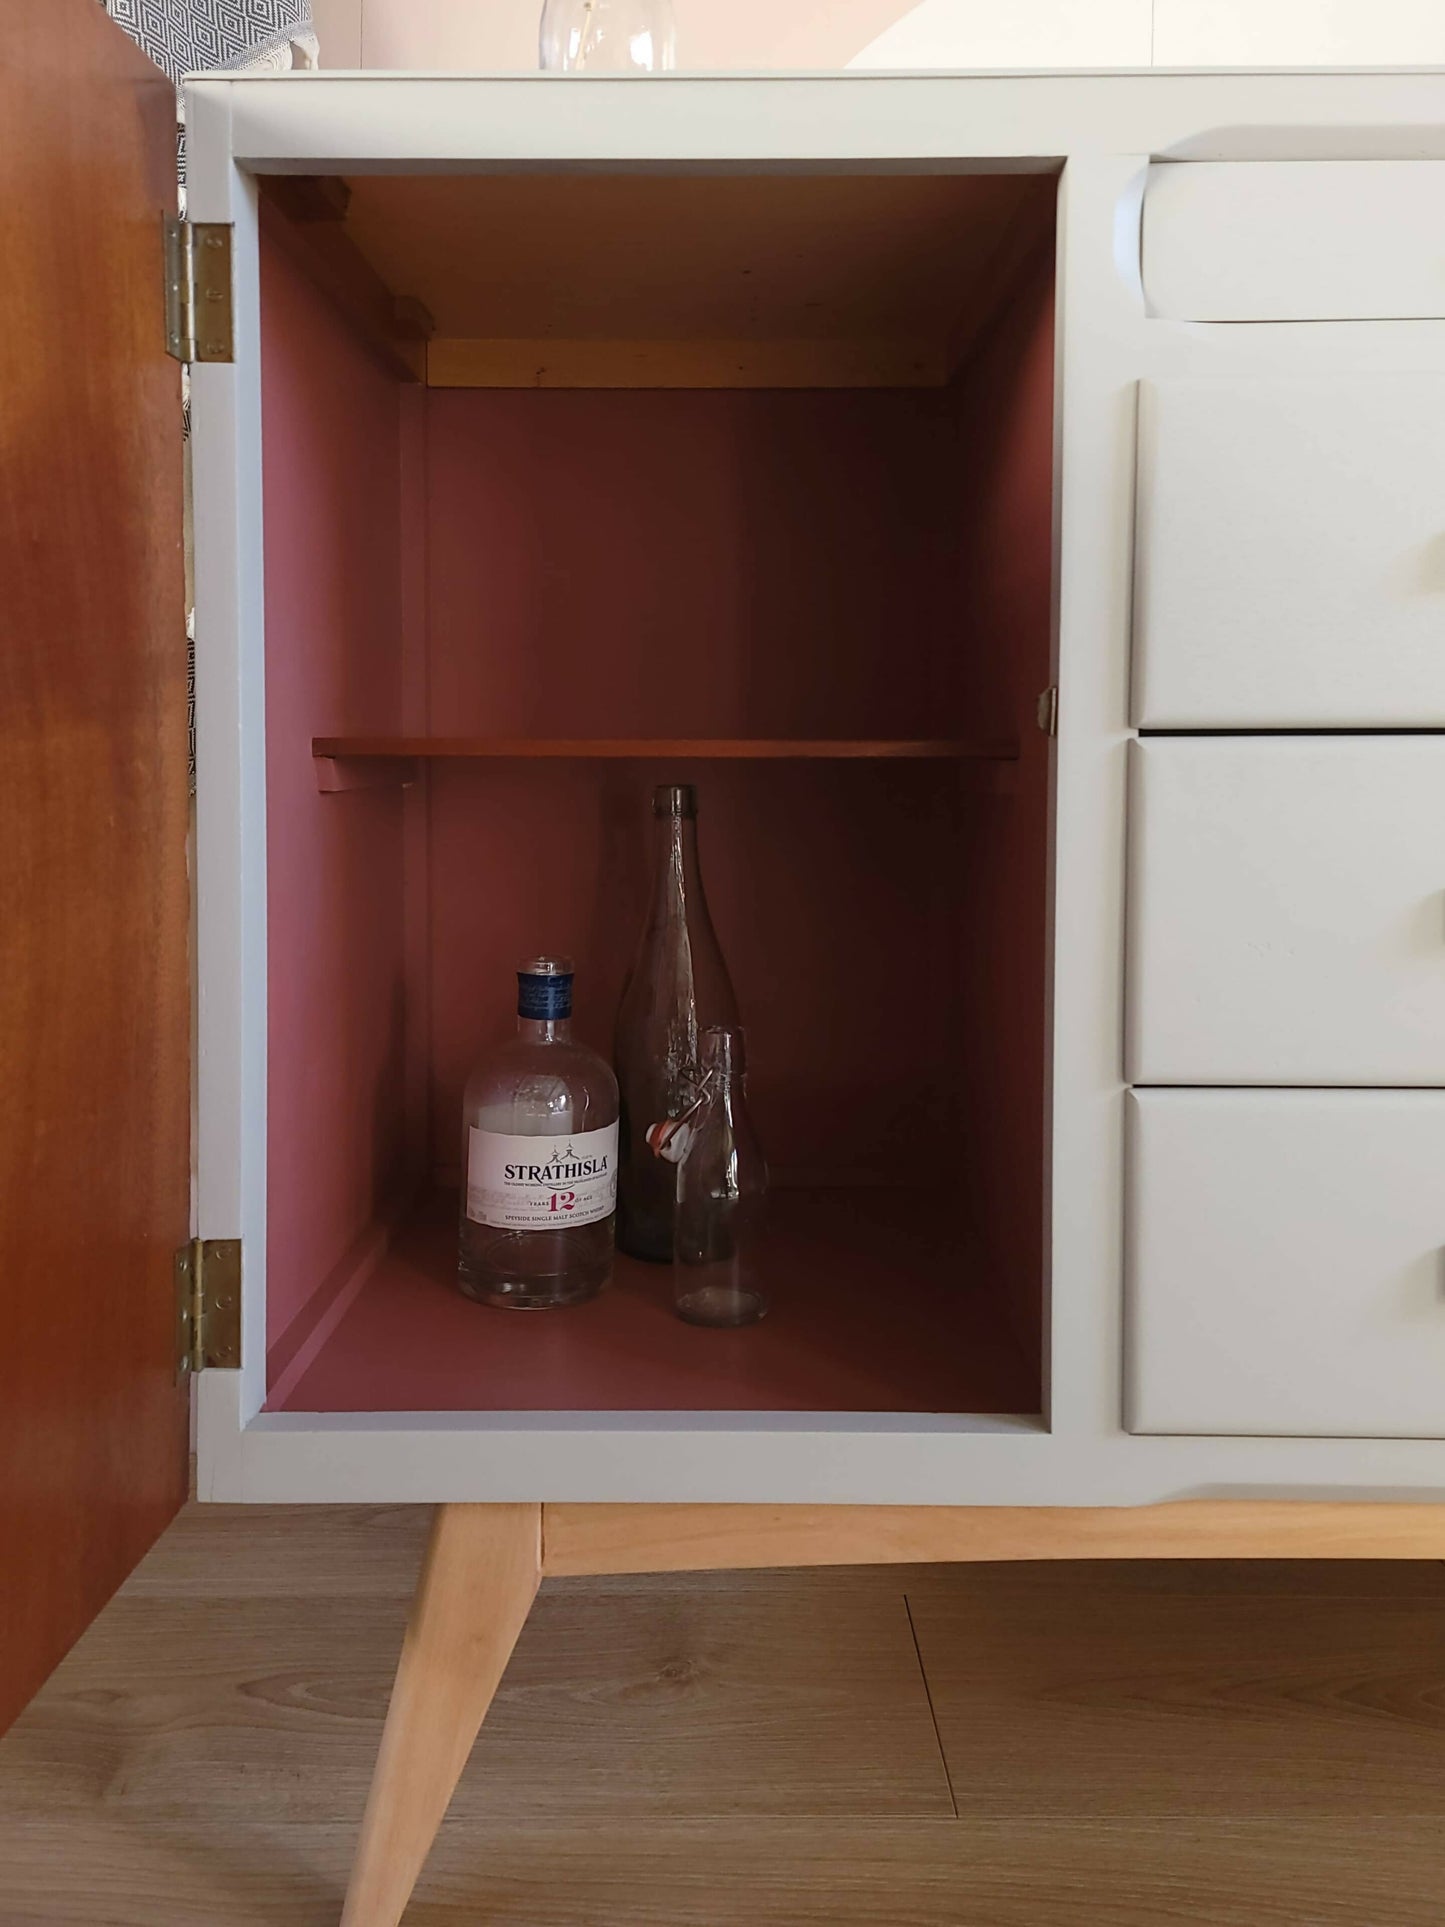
1286,1263
1294,240
1287,911
1290,553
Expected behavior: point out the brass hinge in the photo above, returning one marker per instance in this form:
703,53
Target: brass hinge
1048,711
208,1304
199,319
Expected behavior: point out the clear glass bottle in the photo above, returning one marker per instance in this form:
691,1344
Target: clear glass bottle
539,1157
608,37
721,1180
678,987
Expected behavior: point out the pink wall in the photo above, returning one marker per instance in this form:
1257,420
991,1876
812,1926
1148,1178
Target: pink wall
491,36
334,862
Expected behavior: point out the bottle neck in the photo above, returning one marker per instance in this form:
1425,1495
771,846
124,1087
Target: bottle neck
677,884
544,1030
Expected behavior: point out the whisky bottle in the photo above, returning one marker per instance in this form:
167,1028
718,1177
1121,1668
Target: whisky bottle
678,987
539,1157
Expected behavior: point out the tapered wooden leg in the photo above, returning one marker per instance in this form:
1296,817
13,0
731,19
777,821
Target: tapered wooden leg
480,1576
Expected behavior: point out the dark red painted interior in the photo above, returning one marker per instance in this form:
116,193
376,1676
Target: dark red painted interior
830,888
662,563
1007,593
865,1302
693,563
336,1001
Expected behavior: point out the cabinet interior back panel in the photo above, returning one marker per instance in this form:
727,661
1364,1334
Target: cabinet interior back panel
825,886
705,563
721,562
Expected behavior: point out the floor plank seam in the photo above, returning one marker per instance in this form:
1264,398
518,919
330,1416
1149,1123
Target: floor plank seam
932,1711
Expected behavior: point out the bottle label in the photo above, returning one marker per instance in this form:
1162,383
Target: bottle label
541,1183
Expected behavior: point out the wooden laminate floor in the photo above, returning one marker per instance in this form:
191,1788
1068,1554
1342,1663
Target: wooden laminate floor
1125,1746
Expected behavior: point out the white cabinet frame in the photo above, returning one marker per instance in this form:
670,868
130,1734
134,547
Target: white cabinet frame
1104,130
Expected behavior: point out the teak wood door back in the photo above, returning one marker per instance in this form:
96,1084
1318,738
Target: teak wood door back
94,979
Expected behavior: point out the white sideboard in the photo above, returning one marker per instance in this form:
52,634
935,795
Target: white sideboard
1246,517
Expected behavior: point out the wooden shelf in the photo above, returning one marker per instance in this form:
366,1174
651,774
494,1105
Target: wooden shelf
727,748
872,1312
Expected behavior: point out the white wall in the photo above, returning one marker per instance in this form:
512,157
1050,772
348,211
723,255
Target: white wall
501,35
497,36
1016,33
1299,33
1163,33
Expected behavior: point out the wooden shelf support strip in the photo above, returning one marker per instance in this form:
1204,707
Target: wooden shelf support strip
592,1539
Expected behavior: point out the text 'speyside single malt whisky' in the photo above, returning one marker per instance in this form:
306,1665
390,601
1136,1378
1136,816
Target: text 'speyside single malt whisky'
539,1157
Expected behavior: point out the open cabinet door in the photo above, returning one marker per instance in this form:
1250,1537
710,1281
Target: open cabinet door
94,980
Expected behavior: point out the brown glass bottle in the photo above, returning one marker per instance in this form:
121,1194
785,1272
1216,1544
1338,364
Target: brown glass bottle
678,988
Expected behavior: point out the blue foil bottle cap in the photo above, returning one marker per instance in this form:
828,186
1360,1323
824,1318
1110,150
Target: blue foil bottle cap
544,989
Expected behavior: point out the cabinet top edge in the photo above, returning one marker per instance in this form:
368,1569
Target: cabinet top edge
827,122
795,76
399,122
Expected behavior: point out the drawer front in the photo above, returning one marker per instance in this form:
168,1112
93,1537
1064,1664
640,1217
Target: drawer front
1287,911
1286,1263
1295,240
1290,553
